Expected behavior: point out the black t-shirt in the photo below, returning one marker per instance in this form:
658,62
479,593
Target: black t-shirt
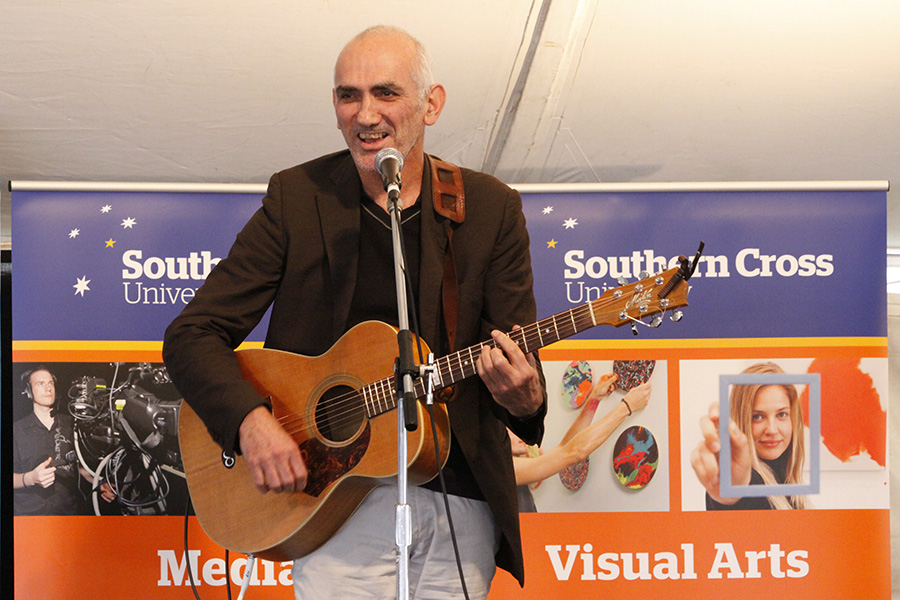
375,298
779,470
33,443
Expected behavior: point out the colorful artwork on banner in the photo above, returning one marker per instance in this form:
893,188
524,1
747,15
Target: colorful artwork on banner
635,457
576,383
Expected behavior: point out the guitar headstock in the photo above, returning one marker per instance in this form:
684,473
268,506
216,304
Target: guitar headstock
650,297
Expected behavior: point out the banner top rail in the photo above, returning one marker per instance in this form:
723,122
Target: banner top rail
661,186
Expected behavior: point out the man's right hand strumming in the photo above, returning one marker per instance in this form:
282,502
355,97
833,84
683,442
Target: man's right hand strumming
271,453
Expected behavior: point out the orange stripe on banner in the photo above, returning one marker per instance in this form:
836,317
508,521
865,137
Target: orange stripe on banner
92,351
747,555
717,348
145,351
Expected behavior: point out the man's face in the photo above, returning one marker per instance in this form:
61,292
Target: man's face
43,388
376,100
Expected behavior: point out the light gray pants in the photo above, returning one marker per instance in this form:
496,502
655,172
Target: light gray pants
360,560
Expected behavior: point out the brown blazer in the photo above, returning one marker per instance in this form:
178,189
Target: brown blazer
298,253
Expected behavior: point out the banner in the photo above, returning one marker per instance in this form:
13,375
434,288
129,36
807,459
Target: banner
791,275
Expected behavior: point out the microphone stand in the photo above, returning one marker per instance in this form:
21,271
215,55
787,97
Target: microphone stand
407,410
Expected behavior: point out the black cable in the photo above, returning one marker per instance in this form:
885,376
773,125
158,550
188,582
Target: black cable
187,512
414,327
462,577
187,556
228,574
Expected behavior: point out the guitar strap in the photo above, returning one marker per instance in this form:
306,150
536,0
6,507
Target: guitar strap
449,199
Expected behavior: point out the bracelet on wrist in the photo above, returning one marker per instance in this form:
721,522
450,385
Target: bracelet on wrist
628,406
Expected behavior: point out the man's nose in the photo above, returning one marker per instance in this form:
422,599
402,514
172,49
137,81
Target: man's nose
368,111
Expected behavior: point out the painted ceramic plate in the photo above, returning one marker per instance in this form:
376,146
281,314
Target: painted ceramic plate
574,476
632,373
576,383
635,457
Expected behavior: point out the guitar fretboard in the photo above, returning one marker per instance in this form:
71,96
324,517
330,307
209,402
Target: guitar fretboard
380,396
615,307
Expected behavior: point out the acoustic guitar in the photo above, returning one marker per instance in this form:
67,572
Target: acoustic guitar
337,406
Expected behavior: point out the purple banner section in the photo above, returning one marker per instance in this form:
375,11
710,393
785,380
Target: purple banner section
120,265
115,265
776,263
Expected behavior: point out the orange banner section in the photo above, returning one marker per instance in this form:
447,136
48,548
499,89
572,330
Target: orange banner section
93,351
642,349
636,349
97,558
801,555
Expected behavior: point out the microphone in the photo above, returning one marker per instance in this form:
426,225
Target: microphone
388,163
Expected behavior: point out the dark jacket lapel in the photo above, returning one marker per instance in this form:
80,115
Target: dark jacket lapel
339,218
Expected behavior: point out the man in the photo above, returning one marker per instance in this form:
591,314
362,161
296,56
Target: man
319,252
43,482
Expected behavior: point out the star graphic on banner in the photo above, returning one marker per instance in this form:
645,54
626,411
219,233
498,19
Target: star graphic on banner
128,223
106,209
82,286
547,210
74,233
570,223
110,243
551,244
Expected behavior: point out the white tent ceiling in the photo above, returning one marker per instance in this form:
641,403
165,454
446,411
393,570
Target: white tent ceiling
542,91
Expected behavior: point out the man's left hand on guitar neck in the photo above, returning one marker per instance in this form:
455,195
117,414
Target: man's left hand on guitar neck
511,376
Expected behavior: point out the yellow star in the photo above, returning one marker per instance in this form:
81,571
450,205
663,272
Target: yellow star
110,242
551,244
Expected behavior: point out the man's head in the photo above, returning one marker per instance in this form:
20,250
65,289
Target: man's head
40,386
383,95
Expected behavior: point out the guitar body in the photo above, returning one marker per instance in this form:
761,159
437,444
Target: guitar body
338,406
348,449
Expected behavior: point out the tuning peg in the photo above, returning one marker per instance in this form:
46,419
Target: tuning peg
677,316
622,280
656,321
634,328
643,275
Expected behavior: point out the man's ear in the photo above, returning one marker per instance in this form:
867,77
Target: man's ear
334,104
434,103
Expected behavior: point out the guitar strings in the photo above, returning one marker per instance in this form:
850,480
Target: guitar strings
348,407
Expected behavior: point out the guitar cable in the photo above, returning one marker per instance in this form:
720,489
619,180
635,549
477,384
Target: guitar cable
190,571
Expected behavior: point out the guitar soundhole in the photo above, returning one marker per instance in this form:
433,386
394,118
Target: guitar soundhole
340,414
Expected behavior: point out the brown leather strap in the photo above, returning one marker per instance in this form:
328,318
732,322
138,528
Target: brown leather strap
447,190
450,293
450,202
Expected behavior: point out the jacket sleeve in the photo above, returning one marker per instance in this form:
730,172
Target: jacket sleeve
509,301
198,347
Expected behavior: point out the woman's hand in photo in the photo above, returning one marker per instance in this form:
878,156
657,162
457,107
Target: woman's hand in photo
705,457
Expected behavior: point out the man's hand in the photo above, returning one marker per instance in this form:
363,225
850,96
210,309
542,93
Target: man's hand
271,453
705,457
510,376
43,475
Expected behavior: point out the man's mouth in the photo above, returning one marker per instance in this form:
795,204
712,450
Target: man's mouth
371,137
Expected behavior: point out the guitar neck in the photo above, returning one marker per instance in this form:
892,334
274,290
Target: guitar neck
616,307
